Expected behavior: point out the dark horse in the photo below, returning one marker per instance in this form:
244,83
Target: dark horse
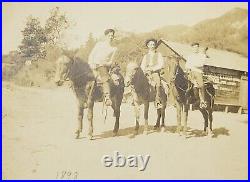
143,93
87,90
183,91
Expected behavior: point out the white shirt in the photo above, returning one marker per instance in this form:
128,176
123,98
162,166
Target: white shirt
195,62
101,54
153,67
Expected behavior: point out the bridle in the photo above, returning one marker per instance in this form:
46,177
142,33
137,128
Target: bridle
174,78
131,76
69,70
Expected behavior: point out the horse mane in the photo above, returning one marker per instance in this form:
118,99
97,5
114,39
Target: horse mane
80,72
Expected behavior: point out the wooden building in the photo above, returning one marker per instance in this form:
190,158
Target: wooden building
228,71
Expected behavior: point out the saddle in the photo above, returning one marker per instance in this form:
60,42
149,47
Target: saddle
97,83
163,82
185,88
113,74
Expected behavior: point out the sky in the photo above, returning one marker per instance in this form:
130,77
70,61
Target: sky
96,17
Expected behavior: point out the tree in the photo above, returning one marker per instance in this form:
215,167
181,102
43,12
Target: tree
55,25
34,39
89,44
84,51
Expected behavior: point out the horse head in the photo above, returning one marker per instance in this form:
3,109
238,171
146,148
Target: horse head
131,70
63,67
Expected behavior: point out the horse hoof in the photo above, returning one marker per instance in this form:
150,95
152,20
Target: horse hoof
209,133
135,132
163,128
156,127
184,131
115,134
77,134
178,131
90,137
137,128
145,132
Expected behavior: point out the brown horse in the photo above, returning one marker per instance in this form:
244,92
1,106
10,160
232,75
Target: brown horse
143,93
88,91
183,91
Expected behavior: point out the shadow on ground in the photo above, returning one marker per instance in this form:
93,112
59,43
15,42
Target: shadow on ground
130,132
215,133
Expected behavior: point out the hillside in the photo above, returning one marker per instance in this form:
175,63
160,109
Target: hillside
227,32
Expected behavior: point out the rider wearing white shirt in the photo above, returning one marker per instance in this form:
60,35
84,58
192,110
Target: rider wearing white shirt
100,60
101,55
151,65
194,67
195,62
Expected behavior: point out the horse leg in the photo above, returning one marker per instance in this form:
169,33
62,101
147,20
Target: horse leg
185,117
146,108
116,114
80,117
205,117
157,125
178,111
210,120
210,117
117,117
137,117
163,116
90,119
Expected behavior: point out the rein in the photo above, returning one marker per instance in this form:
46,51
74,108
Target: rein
174,78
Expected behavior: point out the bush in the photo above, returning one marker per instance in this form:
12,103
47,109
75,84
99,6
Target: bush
39,73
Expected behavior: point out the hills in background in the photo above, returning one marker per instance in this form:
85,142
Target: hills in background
227,32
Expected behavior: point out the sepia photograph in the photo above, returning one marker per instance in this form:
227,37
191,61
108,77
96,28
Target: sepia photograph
125,90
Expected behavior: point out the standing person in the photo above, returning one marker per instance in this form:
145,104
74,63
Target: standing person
151,65
194,68
100,60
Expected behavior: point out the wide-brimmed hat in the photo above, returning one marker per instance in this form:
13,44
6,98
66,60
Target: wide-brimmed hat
153,40
107,31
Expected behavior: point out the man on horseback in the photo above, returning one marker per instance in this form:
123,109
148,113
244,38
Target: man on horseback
194,68
100,60
151,65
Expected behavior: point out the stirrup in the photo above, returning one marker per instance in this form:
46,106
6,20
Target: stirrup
203,105
85,105
158,105
107,101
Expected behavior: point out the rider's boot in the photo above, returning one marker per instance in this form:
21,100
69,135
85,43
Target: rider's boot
158,104
203,103
106,93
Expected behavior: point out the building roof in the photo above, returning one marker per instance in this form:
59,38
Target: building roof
217,58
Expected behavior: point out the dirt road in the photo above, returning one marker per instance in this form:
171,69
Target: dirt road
38,142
